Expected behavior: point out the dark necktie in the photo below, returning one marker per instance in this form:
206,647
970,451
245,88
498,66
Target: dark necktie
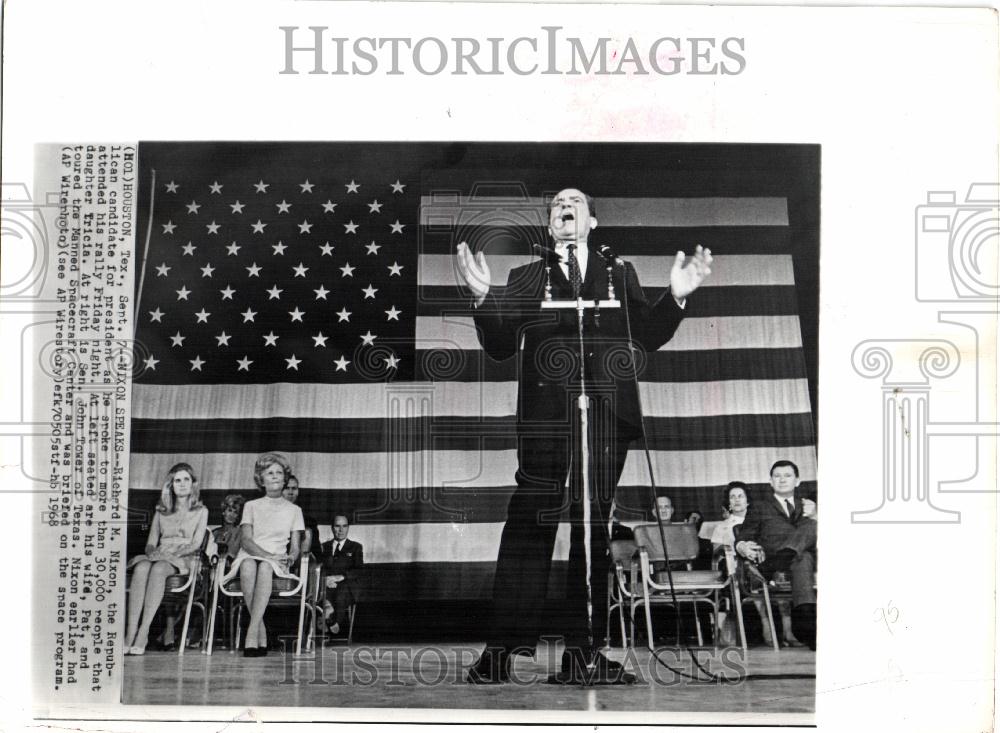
337,551
791,508
575,278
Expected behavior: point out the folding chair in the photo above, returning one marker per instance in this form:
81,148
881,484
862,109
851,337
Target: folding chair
619,589
285,592
689,586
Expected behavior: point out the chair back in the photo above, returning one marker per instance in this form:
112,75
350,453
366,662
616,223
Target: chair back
682,541
622,551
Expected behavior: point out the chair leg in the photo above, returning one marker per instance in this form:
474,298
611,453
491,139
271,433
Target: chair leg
350,624
697,623
738,605
621,621
187,611
770,619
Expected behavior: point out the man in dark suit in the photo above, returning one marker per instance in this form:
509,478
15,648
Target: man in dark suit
342,561
779,536
511,322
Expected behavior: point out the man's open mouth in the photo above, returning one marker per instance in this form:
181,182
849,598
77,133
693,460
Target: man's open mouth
568,216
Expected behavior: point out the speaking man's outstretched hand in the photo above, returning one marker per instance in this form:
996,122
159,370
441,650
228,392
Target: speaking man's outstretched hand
474,272
687,274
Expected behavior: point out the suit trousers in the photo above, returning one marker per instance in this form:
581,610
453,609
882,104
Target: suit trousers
801,566
546,453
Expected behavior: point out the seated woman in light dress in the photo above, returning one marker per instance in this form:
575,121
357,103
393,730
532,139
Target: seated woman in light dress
271,530
175,536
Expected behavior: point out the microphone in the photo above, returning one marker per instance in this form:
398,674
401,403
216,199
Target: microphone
545,253
607,254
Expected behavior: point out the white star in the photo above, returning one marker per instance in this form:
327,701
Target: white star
189,249
373,248
193,207
293,363
307,187
328,207
275,292
270,339
305,227
296,314
169,227
342,364
237,207
196,363
171,187
352,187
162,270
258,227
369,338
223,339
397,228
369,291
392,362
202,316
227,294
319,339
151,362
283,207
216,187
212,228
183,293
156,315
347,270
248,315
350,228
253,270
375,207
395,268
279,248
300,270
233,248
207,270
344,315
326,249
261,186
321,293
177,339
393,314
398,187
244,364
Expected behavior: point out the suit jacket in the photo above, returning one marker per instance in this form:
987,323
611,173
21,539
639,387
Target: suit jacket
348,563
512,322
767,524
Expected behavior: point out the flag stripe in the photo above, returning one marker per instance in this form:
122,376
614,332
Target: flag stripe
774,300
449,211
382,435
454,504
653,271
627,242
163,404
471,469
736,332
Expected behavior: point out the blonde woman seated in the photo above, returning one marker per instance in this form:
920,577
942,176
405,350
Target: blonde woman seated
174,538
269,526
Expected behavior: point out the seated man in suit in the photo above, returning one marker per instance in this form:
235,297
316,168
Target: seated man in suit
778,535
342,561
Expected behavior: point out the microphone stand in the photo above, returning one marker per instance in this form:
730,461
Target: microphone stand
583,406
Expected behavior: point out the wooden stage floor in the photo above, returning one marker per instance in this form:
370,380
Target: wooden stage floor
431,676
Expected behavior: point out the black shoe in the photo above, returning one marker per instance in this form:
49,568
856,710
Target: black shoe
492,668
576,671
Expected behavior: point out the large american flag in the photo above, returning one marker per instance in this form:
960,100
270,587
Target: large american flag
303,298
